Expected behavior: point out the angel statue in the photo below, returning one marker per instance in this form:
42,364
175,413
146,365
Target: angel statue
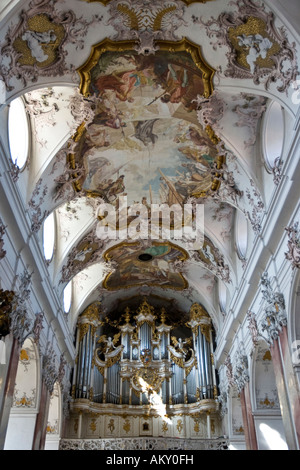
179,345
110,342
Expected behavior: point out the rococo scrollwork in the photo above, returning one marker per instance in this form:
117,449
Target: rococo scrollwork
275,317
6,306
257,48
35,46
293,253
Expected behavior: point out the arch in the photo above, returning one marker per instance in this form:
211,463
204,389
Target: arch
18,133
54,419
241,235
67,297
49,236
293,325
235,424
222,296
21,425
265,402
273,134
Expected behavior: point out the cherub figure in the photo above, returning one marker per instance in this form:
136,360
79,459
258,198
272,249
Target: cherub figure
110,342
179,345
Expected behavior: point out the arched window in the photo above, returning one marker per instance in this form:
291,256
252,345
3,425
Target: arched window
266,406
49,236
241,234
222,296
18,132
23,413
273,137
54,419
68,297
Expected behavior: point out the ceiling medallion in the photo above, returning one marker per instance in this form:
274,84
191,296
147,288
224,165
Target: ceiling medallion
35,44
257,48
39,44
253,45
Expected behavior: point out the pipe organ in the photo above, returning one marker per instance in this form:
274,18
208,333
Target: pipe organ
141,361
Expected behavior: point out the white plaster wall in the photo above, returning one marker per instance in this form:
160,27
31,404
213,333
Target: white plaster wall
270,433
52,443
20,431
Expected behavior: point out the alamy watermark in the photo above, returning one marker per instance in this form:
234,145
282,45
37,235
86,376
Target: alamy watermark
155,221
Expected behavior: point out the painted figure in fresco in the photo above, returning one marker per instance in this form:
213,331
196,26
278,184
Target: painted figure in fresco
125,129
199,140
117,187
110,189
122,84
195,181
144,131
111,118
97,136
182,86
176,83
132,271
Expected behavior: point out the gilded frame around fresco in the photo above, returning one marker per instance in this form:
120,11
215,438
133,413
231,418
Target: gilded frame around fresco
108,45
107,258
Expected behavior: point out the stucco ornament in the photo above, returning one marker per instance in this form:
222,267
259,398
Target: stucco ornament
293,253
258,50
37,215
21,325
275,317
49,372
241,372
85,253
2,233
252,326
229,371
35,46
249,113
146,21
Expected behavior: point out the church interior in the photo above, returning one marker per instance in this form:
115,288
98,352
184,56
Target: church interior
149,225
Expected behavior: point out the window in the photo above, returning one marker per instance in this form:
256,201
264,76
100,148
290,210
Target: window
18,132
49,236
222,296
273,134
68,297
241,234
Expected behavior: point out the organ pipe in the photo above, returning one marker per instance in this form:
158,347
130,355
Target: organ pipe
141,361
87,326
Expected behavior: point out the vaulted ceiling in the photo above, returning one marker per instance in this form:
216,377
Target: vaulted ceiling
158,103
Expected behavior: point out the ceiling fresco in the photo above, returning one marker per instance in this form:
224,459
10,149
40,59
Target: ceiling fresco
138,266
145,141
161,104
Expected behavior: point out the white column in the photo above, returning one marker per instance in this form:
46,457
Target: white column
208,425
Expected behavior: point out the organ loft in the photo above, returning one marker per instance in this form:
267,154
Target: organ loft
141,370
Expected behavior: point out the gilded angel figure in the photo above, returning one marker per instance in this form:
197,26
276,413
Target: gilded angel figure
110,342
